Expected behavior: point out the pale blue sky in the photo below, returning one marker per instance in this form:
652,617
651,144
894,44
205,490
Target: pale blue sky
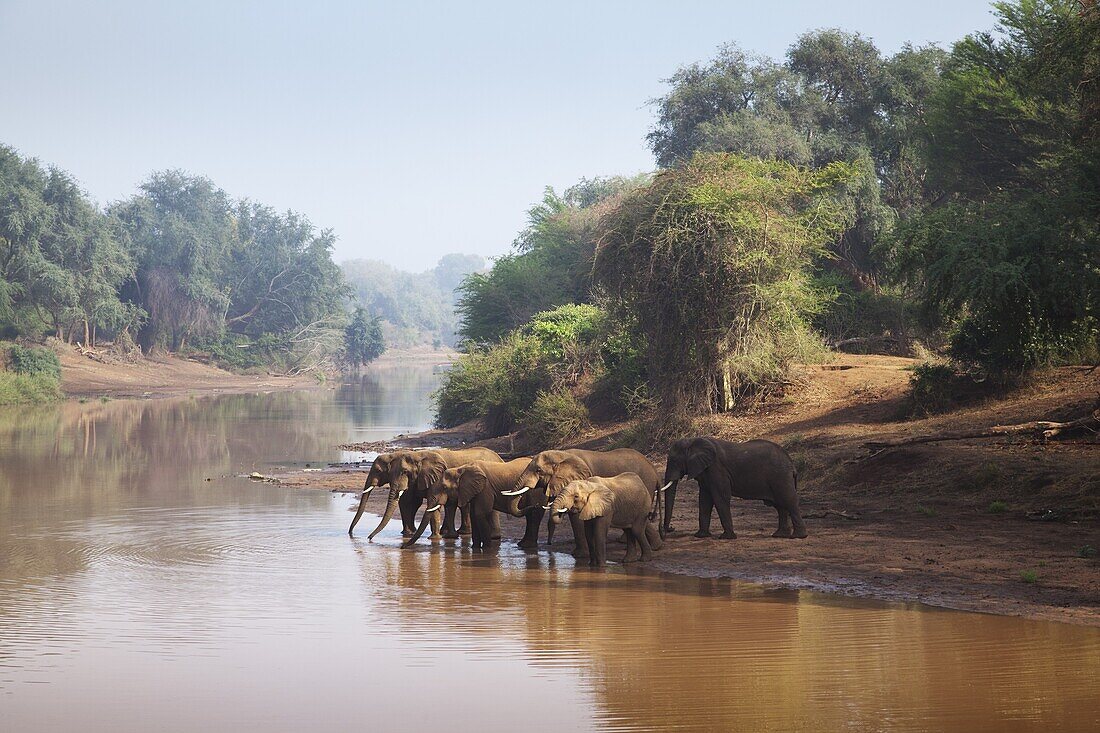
412,129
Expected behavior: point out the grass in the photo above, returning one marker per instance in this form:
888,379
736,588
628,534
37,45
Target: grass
1029,576
997,507
926,510
28,389
1086,551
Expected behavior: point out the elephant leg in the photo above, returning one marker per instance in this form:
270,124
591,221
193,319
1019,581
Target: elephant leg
408,504
484,526
448,531
581,548
437,522
494,527
796,519
640,531
784,523
590,539
706,507
653,536
530,539
551,527
599,540
464,528
633,548
726,518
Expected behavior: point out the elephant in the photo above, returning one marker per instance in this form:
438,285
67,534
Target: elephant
622,501
412,473
379,475
757,469
549,472
479,486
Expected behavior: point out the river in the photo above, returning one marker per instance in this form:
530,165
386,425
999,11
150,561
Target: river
145,585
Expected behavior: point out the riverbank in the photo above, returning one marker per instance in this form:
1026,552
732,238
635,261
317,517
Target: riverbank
166,375
1001,525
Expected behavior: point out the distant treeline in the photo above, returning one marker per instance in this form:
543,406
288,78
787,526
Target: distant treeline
179,265
837,197
415,309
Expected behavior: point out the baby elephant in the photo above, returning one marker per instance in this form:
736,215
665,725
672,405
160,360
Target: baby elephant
622,501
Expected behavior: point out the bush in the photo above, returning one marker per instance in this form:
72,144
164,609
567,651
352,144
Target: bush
25,389
34,361
494,385
555,418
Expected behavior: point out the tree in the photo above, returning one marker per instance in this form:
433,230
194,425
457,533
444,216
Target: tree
363,341
711,263
1012,256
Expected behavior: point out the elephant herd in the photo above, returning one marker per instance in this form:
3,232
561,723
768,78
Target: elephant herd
596,490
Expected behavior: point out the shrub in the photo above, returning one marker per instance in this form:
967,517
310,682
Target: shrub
997,507
26,389
495,385
34,361
555,418
1029,576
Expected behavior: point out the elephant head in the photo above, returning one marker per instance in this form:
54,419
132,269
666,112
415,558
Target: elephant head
455,484
411,470
587,499
545,476
379,475
688,458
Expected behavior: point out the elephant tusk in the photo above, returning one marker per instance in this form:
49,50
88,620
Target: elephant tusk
670,483
548,507
562,511
368,489
524,490
433,509
399,493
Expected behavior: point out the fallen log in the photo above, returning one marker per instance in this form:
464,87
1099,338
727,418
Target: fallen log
1045,429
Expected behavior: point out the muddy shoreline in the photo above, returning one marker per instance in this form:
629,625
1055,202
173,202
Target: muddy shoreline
953,525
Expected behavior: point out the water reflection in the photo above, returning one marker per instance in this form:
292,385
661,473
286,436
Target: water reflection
144,596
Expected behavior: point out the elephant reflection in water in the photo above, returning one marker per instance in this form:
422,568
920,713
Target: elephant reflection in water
624,631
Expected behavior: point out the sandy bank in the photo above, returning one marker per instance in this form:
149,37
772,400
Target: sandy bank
910,524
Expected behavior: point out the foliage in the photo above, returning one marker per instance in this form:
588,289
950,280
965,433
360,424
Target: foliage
549,266
415,308
1014,256
494,385
61,259
744,233
363,341
555,418
835,98
34,361
25,389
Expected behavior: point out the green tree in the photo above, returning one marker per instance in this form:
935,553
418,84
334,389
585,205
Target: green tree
363,340
711,262
1012,256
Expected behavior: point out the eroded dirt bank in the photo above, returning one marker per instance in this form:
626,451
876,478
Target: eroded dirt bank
1006,525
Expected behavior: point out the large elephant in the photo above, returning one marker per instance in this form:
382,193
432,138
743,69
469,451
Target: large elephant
478,486
379,475
549,472
758,469
412,473
622,501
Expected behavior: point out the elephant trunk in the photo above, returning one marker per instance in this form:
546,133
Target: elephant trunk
391,507
362,505
420,529
670,501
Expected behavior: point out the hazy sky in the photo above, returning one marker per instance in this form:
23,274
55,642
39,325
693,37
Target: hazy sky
412,129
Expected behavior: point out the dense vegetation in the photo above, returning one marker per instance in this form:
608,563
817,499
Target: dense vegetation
31,375
838,196
178,265
414,309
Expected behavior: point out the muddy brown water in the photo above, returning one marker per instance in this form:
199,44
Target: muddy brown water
137,595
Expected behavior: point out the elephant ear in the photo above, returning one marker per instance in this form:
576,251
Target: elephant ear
471,481
570,469
599,502
699,456
432,467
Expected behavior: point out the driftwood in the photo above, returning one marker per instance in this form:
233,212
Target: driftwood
1045,429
